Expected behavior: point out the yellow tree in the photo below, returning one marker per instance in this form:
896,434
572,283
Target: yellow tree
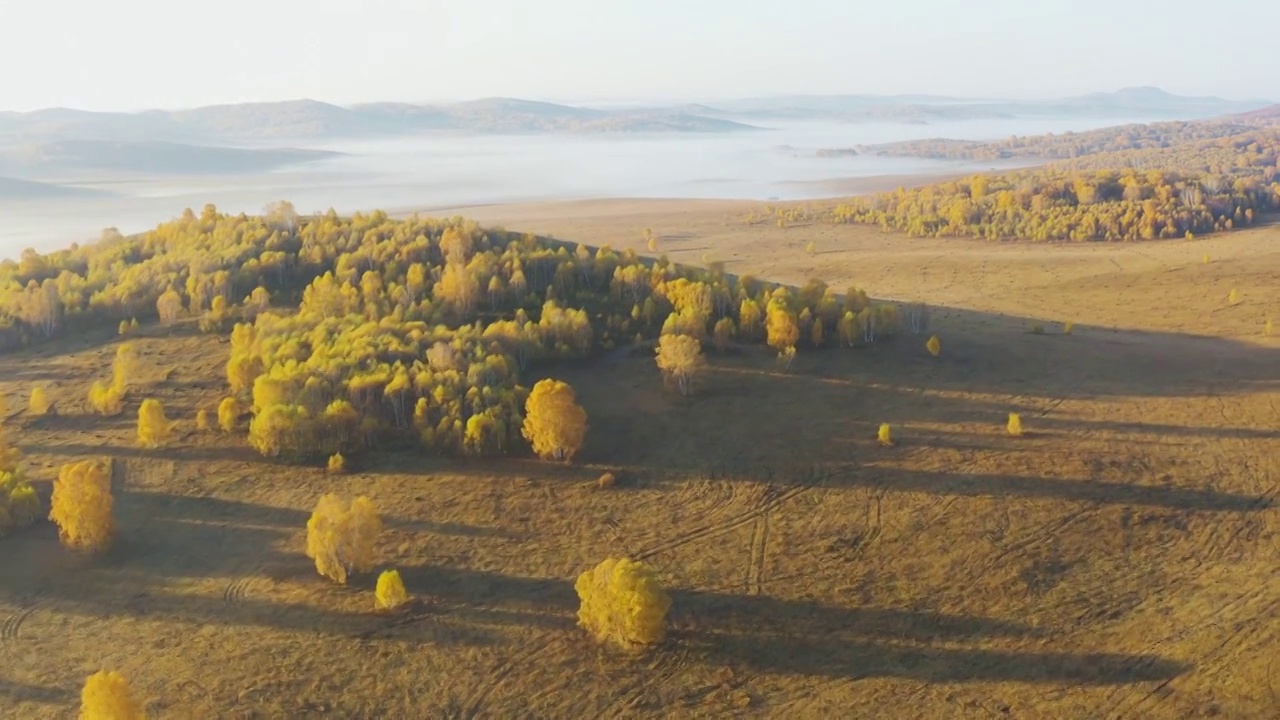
154,428
934,346
107,696
680,359
81,506
342,537
723,333
623,603
554,424
781,326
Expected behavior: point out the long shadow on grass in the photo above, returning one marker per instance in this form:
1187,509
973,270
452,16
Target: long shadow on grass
16,692
803,637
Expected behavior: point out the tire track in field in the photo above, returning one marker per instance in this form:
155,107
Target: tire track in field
773,498
665,665
755,564
11,629
500,675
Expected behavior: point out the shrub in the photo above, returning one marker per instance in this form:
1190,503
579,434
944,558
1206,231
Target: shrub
81,506
622,603
1067,327
1233,297
106,696
934,346
337,464
19,505
154,429
202,420
606,480
1268,329
343,536
38,403
1015,425
390,593
554,424
105,399
228,414
885,436
1037,329
680,359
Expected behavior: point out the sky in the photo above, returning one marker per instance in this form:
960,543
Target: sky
139,54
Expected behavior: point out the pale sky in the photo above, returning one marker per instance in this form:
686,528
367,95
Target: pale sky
136,54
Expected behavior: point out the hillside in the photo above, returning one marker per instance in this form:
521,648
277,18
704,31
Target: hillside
311,120
1112,561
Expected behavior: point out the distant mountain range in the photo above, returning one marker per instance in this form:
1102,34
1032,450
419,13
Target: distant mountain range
61,145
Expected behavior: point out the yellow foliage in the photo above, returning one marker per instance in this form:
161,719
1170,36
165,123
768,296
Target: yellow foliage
1015,425
622,603
1269,328
228,414
1233,297
934,346
81,506
202,420
18,502
885,436
606,480
106,400
781,327
337,464
1067,327
554,423
106,696
342,536
39,402
680,359
390,593
723,333
154,429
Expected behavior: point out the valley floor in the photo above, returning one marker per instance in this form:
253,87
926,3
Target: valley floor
1119,561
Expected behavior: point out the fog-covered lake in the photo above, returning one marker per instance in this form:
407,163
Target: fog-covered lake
452,170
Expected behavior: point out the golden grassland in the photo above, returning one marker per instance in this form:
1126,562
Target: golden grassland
1117,560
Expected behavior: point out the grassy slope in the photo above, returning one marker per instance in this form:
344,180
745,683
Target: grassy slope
1116,562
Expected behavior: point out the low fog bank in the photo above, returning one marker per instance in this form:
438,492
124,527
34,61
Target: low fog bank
788,162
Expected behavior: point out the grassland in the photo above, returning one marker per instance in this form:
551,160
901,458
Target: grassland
1118,561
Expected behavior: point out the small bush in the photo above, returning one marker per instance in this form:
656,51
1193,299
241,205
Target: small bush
606,481
105,399
1067,327
19,505
202,420
337,464
106,696
1014,426
228,414
154,429
39,403
81,506
885,436
342,536
1269,328
390,593
1233,297
1037,329
622,603
934,346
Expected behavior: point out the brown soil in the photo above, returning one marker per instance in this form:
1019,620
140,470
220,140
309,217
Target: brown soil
1118,561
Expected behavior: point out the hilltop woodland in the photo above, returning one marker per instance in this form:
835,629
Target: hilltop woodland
353,333
1143,182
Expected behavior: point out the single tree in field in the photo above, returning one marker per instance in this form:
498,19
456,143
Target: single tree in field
389,592
107,696
81,506
1014,427
342,537
154,428
885,435
554,424
623,603
934,346
680,359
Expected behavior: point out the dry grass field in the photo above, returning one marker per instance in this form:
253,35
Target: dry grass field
1118,561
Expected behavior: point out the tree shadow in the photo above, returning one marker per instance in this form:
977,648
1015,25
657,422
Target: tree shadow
16,692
